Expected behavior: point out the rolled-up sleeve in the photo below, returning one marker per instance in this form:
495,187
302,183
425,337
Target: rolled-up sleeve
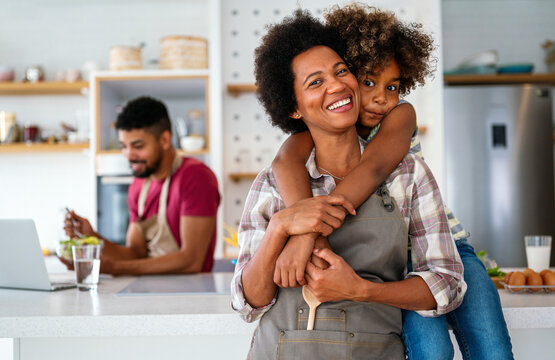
434,254
262,202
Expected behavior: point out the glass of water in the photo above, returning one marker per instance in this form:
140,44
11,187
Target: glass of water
86,261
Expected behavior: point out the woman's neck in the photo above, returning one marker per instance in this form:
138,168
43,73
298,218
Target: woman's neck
337,154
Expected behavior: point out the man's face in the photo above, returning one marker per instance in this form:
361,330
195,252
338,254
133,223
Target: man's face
142,149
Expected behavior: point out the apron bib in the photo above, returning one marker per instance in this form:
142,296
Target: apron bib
156,230
374,244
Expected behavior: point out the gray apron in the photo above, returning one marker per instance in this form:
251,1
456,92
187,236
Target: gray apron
155,229
374,244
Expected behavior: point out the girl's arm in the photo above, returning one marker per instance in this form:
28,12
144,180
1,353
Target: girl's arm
289,168
381,156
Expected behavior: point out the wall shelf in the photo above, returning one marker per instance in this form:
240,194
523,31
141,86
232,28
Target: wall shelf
238,89
43,88
497,79
236,177
42,147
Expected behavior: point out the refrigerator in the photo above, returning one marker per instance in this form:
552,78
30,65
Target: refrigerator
499,166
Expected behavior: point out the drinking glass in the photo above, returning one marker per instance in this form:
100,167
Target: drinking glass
86,261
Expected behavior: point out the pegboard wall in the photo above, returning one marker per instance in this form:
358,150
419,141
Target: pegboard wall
250,142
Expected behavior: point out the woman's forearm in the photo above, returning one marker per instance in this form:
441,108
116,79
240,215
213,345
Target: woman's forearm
257,277
409,294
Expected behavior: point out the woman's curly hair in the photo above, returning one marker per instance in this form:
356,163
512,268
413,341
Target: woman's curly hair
272,65
374,37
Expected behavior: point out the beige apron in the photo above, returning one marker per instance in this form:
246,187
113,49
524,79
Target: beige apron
374,244
156,230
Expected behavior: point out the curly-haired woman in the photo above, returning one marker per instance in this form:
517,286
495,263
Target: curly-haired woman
391,58
304,82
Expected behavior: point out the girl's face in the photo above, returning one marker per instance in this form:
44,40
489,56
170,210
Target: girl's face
326,91
379,93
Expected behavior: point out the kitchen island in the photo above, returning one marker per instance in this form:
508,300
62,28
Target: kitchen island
107,325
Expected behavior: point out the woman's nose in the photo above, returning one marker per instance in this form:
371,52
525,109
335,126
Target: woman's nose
335,85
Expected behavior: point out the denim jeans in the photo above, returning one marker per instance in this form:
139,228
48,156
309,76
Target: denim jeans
478,324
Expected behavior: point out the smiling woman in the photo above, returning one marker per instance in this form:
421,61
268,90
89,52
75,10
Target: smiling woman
358,272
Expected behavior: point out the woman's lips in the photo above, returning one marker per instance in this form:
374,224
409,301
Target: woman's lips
341,105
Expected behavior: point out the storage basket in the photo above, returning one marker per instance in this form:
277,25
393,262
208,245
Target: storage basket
183,52
125,58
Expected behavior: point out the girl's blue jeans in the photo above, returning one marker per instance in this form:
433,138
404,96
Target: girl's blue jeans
478,324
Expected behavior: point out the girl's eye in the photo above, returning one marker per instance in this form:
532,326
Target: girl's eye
392,88
368,83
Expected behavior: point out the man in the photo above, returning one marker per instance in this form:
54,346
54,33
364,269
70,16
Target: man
172,201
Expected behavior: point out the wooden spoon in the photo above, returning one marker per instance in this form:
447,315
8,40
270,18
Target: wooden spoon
313,303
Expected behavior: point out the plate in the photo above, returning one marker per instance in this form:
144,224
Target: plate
533,289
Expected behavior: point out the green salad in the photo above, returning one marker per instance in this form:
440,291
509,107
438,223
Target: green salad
491,265
64,250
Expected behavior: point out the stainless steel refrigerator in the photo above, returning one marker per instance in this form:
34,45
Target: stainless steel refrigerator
499,153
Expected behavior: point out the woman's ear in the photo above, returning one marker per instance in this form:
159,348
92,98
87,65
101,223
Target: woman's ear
295,115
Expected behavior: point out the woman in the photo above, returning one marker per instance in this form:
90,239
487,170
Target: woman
304,83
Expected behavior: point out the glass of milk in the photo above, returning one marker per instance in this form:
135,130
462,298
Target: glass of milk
538,250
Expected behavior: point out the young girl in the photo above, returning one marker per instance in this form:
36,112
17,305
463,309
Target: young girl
390,59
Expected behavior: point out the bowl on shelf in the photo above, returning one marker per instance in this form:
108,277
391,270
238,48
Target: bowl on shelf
192,142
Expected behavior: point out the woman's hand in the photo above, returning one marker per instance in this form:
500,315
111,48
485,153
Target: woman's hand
320,214
338,282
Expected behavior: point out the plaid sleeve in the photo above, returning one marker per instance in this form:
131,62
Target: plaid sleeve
434,254
262,202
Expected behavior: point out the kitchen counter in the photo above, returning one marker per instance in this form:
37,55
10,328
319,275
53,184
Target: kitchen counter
73,318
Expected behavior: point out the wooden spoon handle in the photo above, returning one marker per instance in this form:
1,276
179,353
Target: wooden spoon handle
311,317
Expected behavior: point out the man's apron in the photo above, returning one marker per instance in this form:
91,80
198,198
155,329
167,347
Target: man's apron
374,244
156,230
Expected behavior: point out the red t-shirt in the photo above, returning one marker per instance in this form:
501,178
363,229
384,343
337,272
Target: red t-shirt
193,192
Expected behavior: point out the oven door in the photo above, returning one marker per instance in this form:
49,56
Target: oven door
113,213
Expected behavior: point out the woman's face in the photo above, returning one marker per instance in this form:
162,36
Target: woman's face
379,93
326,91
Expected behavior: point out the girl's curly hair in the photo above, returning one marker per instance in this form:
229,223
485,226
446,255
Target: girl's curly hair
272,64
374,37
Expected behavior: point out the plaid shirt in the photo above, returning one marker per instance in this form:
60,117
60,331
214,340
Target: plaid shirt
434,255
457,230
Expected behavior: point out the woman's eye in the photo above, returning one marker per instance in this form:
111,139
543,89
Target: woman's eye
368,83
315,82
342,71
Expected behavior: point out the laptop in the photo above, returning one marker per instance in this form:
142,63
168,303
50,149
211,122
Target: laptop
21,261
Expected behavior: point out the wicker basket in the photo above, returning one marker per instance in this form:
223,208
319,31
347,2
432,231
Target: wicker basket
183,52
125,58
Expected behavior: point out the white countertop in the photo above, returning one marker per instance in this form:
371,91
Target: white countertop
74,313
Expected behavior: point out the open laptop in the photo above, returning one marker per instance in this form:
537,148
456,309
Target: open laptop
21,260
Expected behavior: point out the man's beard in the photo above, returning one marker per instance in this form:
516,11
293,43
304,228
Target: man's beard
149,170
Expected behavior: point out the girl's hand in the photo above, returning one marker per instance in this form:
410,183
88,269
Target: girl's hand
291,263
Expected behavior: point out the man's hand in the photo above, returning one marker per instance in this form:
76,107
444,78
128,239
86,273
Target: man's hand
67,263
75,226
291,263
320,243
338,282
320,214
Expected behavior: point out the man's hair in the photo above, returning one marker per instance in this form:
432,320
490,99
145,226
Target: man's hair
272,64
144,113
374,37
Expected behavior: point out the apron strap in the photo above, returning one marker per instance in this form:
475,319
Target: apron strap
163,203
142,197
388,203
